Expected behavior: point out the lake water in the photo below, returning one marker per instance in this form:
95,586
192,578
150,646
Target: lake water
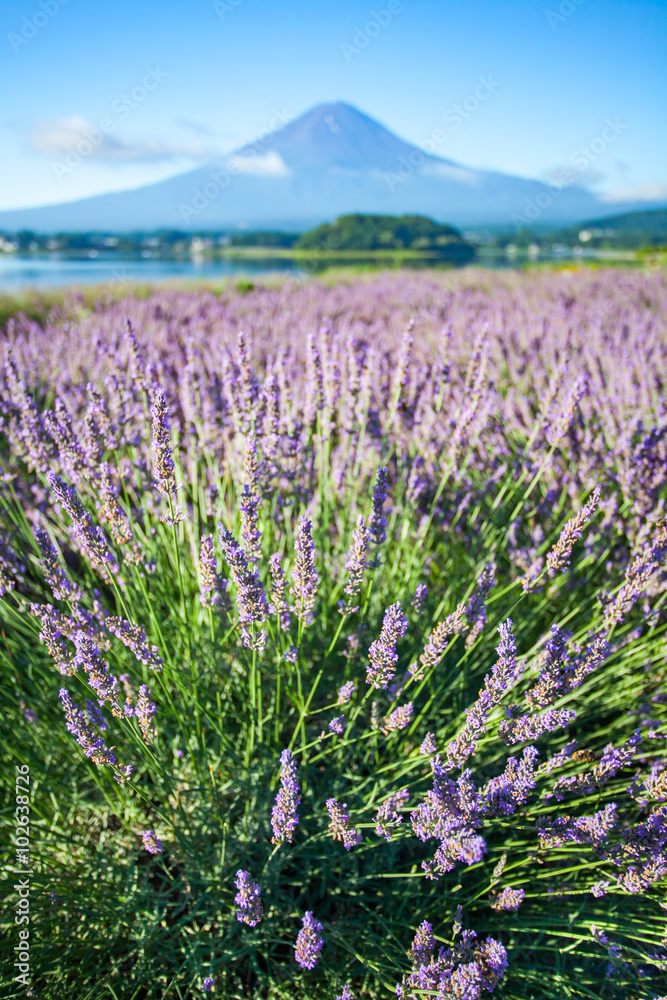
51,270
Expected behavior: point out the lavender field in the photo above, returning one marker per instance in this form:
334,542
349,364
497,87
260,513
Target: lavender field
333,640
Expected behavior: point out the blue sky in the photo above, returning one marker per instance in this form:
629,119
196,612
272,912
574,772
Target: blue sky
208,75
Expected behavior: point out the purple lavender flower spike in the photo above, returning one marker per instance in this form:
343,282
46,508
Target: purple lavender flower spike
438,640
90,535
95,716
403,360
103,683
152,843
29,439
208,984
271,428
512,788
388,817
251,599
11,567
588,660
499,868
637,577
100,431
457,973
418,601
234,554
464,846
77,724
552,681
339,824
136,365
494,963
509,899
113,514
398,719
560,418
449,808
382,653
309,942
144,713
614,758
428,745
592,830
345,692
163,459
531,727
395,689
337,725
53,625
209,593
423,945
54,574
466,981
377,522
250,531
476,606
248,383
559,557
58,425
304,574
356,564
504,676
285,817
248,899
251,473
134,638
642,854
346,993
279,605
315,381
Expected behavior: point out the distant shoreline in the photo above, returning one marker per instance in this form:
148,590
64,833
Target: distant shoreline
36,301
292,253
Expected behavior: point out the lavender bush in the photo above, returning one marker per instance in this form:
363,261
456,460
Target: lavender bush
333,637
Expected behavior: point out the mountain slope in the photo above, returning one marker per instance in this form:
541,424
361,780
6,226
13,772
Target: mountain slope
332,160
651,225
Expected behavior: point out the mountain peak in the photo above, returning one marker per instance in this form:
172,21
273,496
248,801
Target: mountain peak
337,134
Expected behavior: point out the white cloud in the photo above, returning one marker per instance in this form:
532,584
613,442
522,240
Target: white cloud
64,135
640,192
269,164
432,168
